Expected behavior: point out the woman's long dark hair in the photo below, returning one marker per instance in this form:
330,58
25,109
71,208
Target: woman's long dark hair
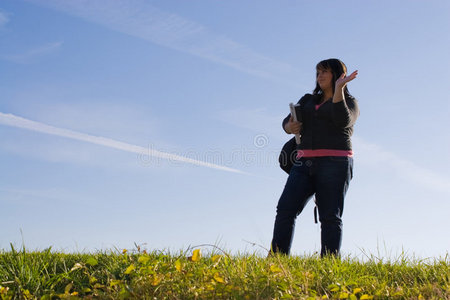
336,67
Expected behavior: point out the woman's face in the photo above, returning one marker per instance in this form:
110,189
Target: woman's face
324,79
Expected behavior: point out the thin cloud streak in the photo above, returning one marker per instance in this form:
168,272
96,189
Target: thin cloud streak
34,53
140,19
3,19
19,122
375,156
258,119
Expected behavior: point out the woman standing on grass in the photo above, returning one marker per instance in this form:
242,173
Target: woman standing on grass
324,162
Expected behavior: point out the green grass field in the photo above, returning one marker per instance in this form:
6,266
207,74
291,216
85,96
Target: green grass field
216,275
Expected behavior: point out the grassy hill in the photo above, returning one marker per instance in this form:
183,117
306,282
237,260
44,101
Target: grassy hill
217,275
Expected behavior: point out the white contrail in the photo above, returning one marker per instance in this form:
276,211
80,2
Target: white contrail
376,156
139,18
3,18
15,121
33,53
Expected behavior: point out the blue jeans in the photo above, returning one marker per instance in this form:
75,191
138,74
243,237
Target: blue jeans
328,178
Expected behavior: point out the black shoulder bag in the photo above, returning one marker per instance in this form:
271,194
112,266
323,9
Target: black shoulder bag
288,152
287,155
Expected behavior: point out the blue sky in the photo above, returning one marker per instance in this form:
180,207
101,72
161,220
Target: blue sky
90,91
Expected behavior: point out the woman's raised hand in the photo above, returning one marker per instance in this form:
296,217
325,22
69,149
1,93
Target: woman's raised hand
342,81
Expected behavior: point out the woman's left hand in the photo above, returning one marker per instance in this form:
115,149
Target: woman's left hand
342,81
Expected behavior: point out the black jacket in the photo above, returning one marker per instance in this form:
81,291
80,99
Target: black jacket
330,127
